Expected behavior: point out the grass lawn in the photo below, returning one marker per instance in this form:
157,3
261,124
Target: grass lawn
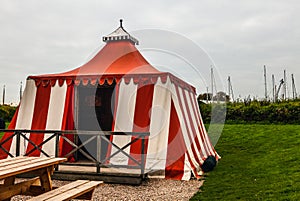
1,133
259,162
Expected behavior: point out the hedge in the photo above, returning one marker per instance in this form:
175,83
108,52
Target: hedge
7,112
285,112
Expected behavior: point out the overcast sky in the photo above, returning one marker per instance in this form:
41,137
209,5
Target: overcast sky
49,36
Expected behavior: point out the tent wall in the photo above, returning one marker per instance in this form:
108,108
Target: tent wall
42,108
178,143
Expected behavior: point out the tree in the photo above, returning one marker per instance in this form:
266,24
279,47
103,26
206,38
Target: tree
205,96
221,96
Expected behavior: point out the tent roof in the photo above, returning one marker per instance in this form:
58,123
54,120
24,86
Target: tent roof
117,59
120,57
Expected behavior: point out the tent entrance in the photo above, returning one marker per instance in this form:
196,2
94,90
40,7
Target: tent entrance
94,112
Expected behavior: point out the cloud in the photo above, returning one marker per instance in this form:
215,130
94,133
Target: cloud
241,36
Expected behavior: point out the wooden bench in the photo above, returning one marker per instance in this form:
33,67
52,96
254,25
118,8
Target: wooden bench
10,168
80,189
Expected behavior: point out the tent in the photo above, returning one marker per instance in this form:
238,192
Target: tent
126,94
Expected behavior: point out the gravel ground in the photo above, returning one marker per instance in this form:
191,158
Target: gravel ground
152,189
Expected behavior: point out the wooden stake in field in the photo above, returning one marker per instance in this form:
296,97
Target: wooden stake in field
230,90
274,88
21,91
294,87
3,96
284,85
265,78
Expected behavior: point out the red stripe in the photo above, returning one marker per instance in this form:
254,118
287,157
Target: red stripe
176,148
200,125
186,124
193,130
208,142
68,123
203,131
142,116
39,118
7,144
194,169
206,150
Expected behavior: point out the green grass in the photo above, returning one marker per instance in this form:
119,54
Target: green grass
1,133
259,162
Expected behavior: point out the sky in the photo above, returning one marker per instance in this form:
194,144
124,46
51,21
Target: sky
238,37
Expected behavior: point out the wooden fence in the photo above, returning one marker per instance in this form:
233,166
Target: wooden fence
97,136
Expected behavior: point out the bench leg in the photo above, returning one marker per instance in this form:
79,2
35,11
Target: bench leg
45,178
10,189
9,181
87,196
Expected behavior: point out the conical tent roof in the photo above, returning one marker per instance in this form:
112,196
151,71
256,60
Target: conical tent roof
118,57
115,58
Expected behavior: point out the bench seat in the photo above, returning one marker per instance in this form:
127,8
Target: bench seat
70,191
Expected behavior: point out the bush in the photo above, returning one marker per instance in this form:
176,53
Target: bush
7,112
2,124
285,112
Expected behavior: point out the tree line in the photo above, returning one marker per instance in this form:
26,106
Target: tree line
254,111
7,112
247,111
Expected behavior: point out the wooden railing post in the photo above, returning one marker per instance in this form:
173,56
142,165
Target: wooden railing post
98,152
143,156
56,144
56,147
18,143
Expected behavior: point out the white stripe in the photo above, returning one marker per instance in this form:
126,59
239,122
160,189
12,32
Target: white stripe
189,132
194,123
25,115
195,105
55,115
187,169
159,126
183,115
203,130
124,119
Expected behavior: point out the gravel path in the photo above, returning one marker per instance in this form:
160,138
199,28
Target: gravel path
152,189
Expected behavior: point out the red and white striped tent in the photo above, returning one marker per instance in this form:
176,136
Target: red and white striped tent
144,100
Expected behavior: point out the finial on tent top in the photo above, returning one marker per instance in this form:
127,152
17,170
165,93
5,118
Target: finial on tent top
120,35
121,23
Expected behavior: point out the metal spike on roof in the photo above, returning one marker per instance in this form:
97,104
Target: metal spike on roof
120,35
